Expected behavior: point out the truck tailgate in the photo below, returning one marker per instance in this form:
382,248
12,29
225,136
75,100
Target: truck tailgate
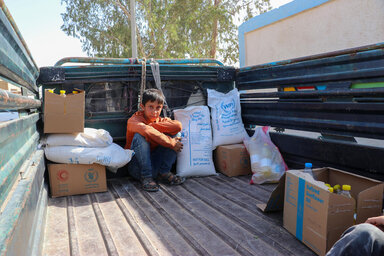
204,216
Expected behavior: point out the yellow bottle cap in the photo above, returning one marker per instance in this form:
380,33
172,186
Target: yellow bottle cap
337,186
62,91
330,190
347,187
75,92
326,184
51,90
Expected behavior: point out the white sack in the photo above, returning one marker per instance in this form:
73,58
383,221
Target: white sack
112,156
227,125
196,157
91,138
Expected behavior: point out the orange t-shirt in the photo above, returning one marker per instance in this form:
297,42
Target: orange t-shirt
154,132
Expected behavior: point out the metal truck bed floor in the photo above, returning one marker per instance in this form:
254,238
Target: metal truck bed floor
204,216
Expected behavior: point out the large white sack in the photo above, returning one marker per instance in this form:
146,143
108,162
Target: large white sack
196,157
227,125
112,156
91,138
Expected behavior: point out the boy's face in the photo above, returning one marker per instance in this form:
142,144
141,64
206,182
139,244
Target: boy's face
152,110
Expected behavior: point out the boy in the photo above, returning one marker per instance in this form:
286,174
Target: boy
151,137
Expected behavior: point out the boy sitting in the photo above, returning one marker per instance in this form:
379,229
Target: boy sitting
151,137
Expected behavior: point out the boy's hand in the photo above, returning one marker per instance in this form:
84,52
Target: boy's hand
179,146
377,221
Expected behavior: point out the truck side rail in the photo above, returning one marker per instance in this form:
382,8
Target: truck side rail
23,194
95,60
335,95
16,62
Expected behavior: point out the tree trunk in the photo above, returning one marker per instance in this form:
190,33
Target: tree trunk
212,54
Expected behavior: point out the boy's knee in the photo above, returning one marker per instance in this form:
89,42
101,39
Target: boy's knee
139,143
139,137
367,231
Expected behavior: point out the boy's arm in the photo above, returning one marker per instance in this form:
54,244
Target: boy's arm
151,134
167,126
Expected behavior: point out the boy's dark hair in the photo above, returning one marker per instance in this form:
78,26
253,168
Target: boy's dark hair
153,95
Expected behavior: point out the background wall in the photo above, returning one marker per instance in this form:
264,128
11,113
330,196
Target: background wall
303,28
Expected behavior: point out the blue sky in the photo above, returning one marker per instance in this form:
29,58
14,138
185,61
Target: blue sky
39,22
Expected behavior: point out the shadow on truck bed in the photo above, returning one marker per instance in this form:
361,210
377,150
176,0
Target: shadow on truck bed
205,216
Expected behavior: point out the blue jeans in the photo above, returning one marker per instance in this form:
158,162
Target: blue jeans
147,164
363,240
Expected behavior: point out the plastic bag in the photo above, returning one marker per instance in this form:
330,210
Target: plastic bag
267,164
196,157
112,156
227,125
91,138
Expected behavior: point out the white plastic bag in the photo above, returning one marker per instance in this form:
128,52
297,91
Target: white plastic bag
227,125
91,138
112,156
267,164
196,157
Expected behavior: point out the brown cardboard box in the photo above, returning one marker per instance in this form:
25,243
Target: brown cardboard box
275,202
232,160
64,114
74,179
317,217
4,85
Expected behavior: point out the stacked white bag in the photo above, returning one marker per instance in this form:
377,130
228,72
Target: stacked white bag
89,147
227,125
196,157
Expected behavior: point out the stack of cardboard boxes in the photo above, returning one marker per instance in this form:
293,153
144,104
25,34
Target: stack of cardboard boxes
65,114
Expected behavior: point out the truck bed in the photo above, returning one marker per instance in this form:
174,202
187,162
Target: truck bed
205,216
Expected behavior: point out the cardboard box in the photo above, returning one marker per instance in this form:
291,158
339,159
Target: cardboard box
74,179
232,160
317,217
275,202
4,85
64,114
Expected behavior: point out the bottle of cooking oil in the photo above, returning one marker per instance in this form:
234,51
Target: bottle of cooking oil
346,191
337,189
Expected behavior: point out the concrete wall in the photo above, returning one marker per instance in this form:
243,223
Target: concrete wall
304,27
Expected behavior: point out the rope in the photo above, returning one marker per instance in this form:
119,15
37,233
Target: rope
143,80
156,76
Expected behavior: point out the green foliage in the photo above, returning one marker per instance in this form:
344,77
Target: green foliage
165,28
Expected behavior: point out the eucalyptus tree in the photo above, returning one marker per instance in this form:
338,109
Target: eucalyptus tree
165,28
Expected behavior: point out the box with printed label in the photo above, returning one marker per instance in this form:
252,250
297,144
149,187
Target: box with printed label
232,160
317,217
64,114
74,179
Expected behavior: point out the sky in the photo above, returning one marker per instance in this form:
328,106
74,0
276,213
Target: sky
39,22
